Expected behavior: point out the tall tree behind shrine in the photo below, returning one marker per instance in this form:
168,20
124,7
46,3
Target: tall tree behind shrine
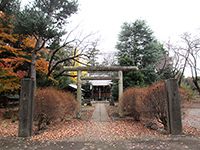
138,47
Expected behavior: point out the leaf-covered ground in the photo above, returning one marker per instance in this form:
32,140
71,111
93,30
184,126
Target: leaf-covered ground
89,130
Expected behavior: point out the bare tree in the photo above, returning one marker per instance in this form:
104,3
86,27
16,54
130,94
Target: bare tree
109,59
172,60
194,45
78,50
92,52
187,55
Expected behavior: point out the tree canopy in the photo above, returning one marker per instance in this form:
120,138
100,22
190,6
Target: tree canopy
24,33
32,43
138,47
45,18
9,7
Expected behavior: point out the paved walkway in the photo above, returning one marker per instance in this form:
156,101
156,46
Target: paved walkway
96,129
192,116
100,114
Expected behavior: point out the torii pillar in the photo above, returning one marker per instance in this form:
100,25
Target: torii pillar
120,83
79,92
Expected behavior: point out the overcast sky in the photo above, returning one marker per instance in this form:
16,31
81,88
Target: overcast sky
167,18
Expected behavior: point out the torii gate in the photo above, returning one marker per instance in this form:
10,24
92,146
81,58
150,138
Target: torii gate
120,70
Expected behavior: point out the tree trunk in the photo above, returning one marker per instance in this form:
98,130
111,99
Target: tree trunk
196,85
184,66
33,68
33,61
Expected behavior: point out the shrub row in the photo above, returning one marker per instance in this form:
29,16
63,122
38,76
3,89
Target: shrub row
53,105
145,102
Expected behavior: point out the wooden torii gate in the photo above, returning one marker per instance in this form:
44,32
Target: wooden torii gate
120,70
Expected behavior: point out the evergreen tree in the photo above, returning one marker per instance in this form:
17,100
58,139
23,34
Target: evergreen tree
138,47
9,7
44,20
